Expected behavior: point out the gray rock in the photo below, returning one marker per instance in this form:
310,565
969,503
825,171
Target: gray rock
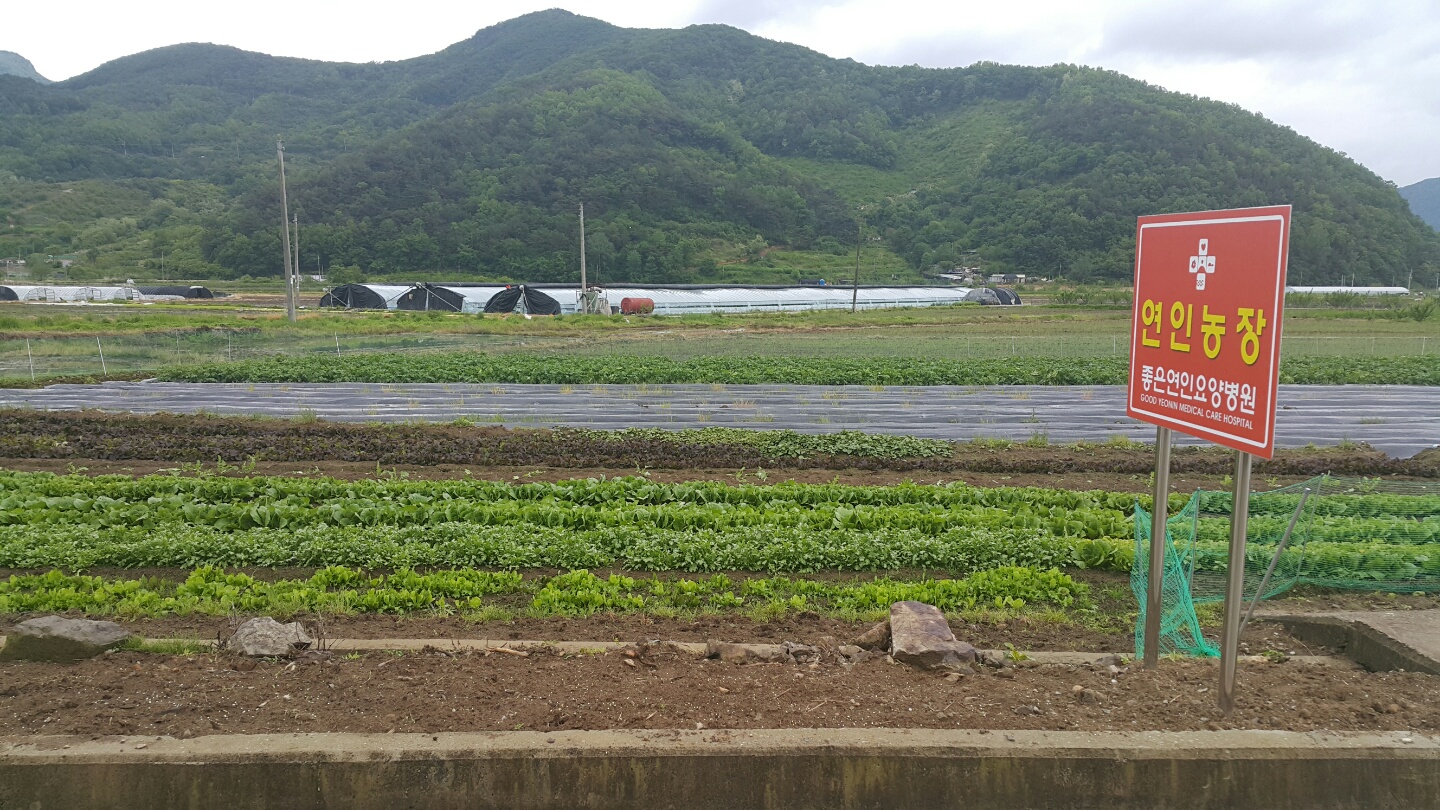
920,637
266,638
801,653
784,653
995,659
56,638
876,638
746,653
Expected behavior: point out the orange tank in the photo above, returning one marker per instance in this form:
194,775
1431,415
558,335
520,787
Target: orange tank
637,306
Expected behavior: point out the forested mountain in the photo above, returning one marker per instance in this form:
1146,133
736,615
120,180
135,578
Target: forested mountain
1424,199
687,147
13,64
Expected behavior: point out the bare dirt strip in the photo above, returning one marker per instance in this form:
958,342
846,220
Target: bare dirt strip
439,690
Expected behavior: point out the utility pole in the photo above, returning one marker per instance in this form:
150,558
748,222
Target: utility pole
855,288
285,229
584,287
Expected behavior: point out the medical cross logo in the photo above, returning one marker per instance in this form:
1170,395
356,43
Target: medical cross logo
1202,265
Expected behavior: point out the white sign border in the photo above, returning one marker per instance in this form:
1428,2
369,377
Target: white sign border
1187,427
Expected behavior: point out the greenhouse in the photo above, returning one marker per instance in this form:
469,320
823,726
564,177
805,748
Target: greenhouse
67,294
427,297
365,296
706,300
554,299
523,299
22,293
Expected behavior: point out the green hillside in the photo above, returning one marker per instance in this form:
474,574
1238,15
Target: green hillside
697,152
1424,199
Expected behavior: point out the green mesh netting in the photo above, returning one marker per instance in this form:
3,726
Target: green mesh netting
1352,533
1179,626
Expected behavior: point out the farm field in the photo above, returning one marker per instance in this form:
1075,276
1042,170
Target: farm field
443,508
479,554
61,341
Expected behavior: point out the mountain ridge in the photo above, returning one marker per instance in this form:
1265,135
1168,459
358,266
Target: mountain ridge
13,64
1424,199
688,146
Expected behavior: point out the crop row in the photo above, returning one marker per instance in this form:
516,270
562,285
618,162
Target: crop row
340,590
231,504
1422,502
40,434
1360,565
928,519
518,547
83,490
629,369
783,443
235,440
1320,529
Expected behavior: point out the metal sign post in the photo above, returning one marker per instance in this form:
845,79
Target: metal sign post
1160,513
1234,583
1205,360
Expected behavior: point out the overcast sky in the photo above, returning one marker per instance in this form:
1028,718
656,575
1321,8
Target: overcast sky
1360,76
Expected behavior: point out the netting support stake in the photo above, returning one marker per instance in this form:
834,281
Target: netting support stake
1159,515
1265,580
30,355
103,371
1235,582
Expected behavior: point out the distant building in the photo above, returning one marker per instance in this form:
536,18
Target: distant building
1007,278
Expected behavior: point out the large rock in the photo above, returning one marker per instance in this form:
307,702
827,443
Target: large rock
920,636
266,638
56,638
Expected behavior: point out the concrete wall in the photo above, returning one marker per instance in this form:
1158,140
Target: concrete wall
849,768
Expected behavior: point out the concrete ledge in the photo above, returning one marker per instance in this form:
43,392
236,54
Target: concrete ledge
1377,641
698,770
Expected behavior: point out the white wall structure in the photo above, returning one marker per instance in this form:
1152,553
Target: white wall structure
1350,290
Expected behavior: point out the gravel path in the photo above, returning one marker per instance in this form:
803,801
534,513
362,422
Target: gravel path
1400,420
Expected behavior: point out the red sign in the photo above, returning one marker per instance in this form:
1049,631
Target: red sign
1205,337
